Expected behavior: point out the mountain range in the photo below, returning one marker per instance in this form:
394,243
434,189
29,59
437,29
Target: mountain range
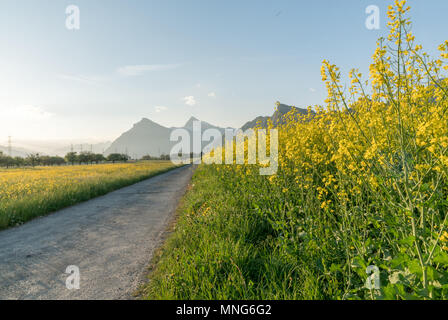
16,151
23,148
147,137
277,118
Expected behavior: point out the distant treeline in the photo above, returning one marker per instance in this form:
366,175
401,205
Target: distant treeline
162,157
168,157
71,158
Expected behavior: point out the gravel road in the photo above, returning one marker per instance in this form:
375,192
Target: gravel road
110,239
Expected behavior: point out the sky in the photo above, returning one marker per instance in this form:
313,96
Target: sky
224,62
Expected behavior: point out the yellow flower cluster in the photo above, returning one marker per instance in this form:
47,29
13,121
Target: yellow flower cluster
34,189
16,184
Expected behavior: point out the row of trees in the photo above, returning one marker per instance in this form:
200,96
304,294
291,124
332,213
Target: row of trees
161,157
30,160
71,158
88,157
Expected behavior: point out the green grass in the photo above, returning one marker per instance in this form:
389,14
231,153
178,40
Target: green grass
221,248
240,236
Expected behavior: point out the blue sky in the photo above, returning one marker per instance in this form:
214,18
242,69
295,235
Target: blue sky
224,62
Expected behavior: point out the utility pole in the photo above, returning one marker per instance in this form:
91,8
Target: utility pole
71,148
9,146
91,148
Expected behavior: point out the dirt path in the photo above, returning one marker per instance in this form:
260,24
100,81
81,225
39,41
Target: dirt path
111,239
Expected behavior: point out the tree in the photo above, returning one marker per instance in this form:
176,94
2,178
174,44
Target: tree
147,157
56,161
98,158
3,159
71,157
84,157
165,157
114,157
19,161
33,159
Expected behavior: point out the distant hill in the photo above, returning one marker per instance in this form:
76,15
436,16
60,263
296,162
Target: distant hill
54,147
277,118
77,147
16,152
147,137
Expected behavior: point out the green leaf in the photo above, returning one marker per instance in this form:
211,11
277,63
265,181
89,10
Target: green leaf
407,241
442,258
389,292
358,262
335,268
432,273
400,261
415,267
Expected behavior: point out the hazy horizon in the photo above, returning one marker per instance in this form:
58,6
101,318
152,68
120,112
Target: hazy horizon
222,62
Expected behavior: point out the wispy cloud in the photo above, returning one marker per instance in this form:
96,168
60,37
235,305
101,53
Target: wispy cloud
312,90
89,80
137,70
190,101
160,108
212,95
125,71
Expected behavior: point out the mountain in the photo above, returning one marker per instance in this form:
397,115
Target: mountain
204,125
189,124
57,147
77,147
16,152
277,118
147,137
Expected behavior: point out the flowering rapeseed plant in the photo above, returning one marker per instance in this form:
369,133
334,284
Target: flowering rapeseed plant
30,192
366,175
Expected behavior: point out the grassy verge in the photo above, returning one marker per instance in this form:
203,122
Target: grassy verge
221,248
29,193
240,235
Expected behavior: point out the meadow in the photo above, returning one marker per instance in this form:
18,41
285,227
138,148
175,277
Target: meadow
26,193
362,184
